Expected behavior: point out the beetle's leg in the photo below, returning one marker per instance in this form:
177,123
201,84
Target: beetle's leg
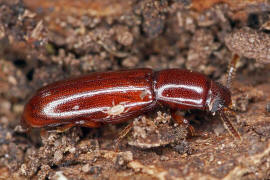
90,124
66,127
60,129
122,135
25,127
232,70
179,119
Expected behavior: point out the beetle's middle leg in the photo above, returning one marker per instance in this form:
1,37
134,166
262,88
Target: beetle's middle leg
122,135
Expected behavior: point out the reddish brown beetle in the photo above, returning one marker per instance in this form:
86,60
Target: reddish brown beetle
113,97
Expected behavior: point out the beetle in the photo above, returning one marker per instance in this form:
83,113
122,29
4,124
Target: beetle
113,97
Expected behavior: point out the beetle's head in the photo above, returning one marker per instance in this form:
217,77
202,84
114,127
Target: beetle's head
219,101
218,97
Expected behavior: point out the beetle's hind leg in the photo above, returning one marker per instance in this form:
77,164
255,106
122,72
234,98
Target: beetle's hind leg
57,129
60,128
89,124
65,127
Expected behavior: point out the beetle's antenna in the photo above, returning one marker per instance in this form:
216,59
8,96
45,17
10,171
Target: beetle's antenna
228,125
232,70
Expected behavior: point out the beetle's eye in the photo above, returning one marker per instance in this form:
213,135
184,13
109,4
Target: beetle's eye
217,105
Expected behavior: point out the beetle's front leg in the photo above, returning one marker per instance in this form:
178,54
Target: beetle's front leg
179,119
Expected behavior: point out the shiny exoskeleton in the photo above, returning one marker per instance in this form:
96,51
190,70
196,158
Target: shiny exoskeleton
113,97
